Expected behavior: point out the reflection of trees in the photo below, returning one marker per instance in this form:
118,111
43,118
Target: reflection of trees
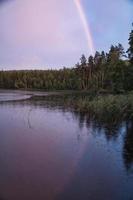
98,124
128,146
69,102
101,125
110,130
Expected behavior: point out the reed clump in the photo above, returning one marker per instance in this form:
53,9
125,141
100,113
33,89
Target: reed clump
108,107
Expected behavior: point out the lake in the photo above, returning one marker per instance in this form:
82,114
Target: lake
50,152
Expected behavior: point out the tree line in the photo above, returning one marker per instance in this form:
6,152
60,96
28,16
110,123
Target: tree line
111,72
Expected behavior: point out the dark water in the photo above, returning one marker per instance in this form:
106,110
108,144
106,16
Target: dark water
52,153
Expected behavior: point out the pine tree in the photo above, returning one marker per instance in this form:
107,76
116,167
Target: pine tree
83,60
130,50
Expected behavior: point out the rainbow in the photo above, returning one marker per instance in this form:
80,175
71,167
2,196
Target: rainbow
85,26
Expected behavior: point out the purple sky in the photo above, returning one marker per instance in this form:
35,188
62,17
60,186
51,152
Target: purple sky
49,33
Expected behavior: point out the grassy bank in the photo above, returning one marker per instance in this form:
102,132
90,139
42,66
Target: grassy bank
112,108
108,107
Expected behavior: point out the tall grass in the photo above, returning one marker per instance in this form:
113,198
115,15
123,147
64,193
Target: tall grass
109,107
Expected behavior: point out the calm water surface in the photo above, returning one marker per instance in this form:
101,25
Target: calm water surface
50,153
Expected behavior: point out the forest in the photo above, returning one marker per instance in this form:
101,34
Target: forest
110,72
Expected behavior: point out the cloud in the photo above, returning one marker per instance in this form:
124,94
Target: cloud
49,33
50,30
4,1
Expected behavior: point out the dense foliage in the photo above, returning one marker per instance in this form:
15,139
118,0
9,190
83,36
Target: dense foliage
103,72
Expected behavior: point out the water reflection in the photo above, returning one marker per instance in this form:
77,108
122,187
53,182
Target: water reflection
128,147
110,130
64,153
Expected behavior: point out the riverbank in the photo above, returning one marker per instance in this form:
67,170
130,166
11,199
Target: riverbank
102,107
109,107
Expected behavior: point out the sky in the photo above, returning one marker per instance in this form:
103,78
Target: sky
51,34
